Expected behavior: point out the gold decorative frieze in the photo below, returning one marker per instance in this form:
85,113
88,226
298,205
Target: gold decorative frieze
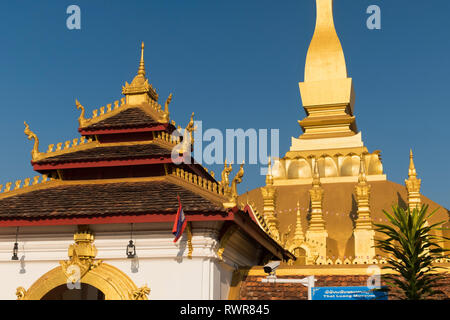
198,181
18,185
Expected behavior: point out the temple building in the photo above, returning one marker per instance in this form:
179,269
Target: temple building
99,216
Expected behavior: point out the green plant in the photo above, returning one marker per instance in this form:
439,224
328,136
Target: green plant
412,248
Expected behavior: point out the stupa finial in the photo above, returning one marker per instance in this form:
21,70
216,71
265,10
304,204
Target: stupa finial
325,59
141,70
412,169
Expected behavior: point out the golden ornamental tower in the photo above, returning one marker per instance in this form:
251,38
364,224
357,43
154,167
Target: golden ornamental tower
413,185
269,195
363,232
139,91
317,233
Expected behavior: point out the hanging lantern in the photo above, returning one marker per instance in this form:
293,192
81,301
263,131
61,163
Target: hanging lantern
16,247
131,250
15,252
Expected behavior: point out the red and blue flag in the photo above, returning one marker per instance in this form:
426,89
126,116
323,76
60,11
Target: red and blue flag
180,222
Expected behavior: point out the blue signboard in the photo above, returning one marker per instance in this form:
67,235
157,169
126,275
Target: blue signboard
347,293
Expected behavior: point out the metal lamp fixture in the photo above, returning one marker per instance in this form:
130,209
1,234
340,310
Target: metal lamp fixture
16,247
131,248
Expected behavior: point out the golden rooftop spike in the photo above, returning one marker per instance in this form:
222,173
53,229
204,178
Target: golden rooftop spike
413,185
412,169
141,70
139,90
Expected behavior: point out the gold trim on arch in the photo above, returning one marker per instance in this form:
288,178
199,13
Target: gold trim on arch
114,283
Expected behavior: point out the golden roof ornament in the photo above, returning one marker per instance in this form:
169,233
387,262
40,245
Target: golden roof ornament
141,70
166,108
82,256
139,91
225,174
35,154
237,180
81,119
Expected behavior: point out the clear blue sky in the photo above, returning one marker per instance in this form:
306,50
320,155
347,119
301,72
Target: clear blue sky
237,64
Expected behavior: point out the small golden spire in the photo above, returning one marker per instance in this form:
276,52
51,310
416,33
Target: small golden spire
316,175
298,234
362,171
412,169
269,177
141,70
413,185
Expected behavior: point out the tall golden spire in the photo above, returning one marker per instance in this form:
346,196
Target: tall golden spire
141,70
325,59
413,185
327,92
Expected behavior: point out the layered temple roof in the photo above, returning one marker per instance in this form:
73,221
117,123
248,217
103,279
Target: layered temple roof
121,170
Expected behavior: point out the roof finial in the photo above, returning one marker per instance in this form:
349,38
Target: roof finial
412,169
141,70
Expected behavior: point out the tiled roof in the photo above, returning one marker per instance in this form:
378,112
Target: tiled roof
130,118
148,150
121,198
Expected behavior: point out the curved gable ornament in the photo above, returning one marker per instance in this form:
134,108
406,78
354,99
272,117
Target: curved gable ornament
111,281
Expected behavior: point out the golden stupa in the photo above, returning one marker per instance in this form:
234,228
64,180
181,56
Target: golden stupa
321,198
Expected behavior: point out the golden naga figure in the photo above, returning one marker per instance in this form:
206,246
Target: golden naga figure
236,180
31,135
81,118
190,128
168,101
166,108
225,174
